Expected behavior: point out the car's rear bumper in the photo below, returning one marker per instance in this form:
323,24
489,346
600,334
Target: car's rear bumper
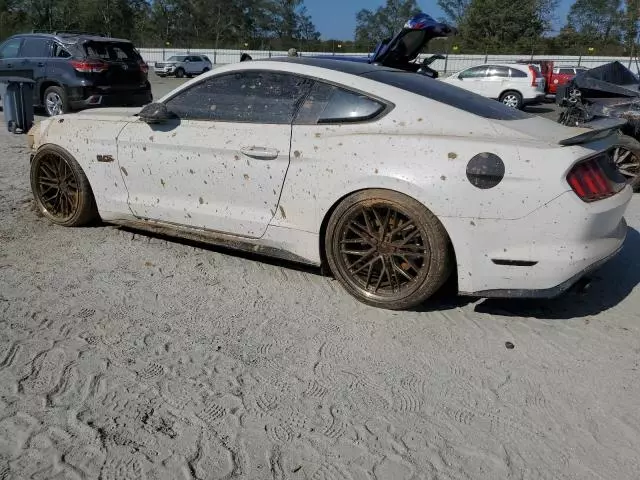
95,98
542,254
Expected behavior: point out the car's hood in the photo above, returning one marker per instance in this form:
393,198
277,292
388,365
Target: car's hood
108,114
409,42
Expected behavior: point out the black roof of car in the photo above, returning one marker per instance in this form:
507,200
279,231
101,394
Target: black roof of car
353,68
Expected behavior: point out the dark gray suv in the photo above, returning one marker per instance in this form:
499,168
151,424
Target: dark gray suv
73,71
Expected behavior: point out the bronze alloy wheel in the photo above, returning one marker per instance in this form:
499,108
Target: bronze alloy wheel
388,253
61,189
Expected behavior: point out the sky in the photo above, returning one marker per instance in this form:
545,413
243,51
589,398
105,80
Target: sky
337,18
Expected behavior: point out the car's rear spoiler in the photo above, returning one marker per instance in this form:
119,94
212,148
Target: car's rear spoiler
598,129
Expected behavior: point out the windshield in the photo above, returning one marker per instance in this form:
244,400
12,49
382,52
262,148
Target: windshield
112,51
176,58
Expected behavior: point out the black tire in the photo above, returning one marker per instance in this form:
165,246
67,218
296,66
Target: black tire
180,73
406,231
206,69
161,76
71,203
631,165
58,93
512,99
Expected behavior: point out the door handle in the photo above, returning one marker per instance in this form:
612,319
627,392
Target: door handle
9,65
41,64
261,153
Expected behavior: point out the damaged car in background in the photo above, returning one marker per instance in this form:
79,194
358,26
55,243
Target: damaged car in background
607,95
392,181
402,51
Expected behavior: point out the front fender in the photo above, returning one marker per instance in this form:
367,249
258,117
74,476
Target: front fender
94,146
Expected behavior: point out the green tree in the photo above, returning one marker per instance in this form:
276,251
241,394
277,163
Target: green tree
454,10
597,20
374,26
631,17
496,26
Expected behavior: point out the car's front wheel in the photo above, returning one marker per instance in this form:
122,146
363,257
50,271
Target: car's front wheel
61,189
180,73
512,99
387,249
55,101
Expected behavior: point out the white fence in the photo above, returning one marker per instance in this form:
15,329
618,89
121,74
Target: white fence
453,63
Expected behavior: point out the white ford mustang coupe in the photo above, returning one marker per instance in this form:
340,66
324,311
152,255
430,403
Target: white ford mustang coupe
392,180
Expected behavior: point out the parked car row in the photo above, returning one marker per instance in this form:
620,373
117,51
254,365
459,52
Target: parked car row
74,70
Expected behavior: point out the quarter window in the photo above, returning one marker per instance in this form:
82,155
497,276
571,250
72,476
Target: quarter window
330,104
517,73
254,97
60,52
11,48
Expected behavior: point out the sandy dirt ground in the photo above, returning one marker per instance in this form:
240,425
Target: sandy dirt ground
125,356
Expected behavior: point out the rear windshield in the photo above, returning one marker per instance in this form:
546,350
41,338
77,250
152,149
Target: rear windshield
111,50
447,94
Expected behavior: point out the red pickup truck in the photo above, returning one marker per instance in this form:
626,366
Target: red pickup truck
555,76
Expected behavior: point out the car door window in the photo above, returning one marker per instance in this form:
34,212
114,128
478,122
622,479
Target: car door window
35,48
255,96
330,104
498,72
566,71
196,59
474,72
11,48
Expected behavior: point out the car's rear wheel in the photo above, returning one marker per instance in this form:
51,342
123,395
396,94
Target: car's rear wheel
61,189
387,249
512,99
55,101
180,73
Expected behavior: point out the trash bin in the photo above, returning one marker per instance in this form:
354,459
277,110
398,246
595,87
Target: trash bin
17,103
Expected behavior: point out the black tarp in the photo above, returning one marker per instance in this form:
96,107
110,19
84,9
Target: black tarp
609,80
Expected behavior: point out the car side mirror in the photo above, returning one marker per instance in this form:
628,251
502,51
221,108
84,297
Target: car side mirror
155,113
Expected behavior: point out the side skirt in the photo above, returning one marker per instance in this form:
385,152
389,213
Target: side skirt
212,238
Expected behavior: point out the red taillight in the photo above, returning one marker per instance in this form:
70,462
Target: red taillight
590,182
89,66
144,68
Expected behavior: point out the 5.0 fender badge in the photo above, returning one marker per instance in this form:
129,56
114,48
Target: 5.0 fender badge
105,158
